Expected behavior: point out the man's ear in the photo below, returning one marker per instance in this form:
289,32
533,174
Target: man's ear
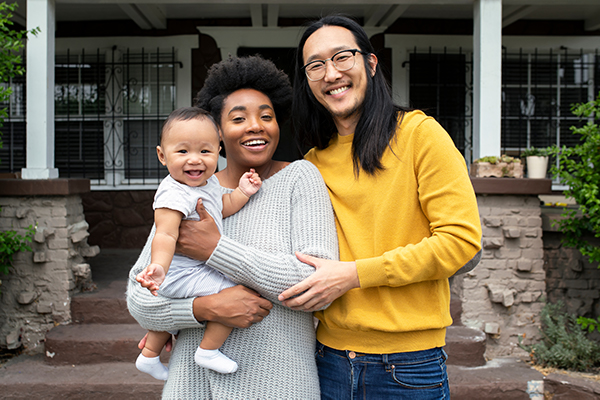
161,155
373,63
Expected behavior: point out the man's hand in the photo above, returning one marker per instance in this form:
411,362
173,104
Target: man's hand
198,239
237,307
151,277
330,280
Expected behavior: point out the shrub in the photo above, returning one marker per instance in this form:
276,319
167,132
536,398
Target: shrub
579,169
564,344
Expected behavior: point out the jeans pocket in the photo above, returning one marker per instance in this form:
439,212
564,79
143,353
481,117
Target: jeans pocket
428,374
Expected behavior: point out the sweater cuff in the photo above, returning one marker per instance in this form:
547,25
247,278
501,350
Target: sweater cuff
371,272
182,313
226,254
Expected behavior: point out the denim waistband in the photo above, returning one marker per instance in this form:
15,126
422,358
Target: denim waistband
408,357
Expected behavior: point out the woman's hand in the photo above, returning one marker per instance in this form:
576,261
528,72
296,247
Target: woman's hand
237,307
330,280
198,239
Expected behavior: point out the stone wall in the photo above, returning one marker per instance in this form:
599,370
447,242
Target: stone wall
570,277
504,294
36,294
119,219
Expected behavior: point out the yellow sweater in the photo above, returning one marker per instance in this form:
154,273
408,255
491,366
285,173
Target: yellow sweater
409,228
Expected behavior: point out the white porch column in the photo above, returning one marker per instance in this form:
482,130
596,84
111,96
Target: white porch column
487,77
40,91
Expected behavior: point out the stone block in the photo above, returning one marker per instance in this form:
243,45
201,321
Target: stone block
79,236
24,212
511,233
492,328
58,243
524,265
13,339
493,243
90,251
40,257
78,226
508,253
533,254
492,222
44,307
533,233
508,297
82,271
26,297
495,293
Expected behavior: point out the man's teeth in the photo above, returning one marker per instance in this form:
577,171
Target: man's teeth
338,90
255,143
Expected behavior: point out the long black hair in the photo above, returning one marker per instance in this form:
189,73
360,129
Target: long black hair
314,125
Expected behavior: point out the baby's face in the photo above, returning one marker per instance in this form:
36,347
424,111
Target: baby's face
190,151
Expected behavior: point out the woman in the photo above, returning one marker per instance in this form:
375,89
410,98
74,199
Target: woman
290,213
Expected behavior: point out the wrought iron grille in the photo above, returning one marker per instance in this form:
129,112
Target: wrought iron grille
12,153
538,90
441,84
109,109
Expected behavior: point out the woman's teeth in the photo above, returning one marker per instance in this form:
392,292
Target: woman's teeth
255,143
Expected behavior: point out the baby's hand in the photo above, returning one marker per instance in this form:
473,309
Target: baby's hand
152,277
250,182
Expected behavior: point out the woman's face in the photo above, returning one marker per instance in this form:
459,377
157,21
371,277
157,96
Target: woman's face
249,128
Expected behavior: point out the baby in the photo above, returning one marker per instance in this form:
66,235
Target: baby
189,148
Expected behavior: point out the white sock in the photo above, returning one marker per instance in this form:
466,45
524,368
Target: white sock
215,360
152,366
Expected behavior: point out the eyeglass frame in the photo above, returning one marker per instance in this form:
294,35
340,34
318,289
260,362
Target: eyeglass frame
354,51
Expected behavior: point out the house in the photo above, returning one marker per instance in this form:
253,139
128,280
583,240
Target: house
102,75
500,76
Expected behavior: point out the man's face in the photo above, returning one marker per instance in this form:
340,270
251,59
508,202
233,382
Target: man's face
341,93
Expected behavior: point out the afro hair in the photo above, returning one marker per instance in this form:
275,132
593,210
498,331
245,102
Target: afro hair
252,72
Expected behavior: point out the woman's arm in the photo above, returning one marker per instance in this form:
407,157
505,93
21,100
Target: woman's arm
237,306
270,273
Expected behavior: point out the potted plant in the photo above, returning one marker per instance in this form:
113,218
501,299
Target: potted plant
537,162
499,167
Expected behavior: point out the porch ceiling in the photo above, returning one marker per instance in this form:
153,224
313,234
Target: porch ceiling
153,14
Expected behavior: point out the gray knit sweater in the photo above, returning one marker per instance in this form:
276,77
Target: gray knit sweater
291,212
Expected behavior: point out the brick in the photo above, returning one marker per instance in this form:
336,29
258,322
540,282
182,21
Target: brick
56,243
44,307
511,233
524,265
493,243
79,236
492,222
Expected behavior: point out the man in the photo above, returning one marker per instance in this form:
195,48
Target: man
406,216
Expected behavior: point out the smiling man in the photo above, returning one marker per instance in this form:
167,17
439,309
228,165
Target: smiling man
406,217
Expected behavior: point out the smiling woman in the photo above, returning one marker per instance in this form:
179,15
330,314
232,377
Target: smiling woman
290,213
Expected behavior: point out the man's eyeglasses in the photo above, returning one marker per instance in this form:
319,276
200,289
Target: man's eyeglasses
342,61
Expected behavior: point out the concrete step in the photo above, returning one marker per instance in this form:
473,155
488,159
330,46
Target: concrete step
107,305
26,377
498,379
94,343
465,346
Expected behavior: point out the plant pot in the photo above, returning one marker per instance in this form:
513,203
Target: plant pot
498,170
537,167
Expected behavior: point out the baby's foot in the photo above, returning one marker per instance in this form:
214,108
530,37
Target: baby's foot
215,360
152,366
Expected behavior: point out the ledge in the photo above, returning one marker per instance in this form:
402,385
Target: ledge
43,187
510,186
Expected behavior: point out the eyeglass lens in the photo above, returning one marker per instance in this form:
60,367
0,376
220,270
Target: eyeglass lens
342,61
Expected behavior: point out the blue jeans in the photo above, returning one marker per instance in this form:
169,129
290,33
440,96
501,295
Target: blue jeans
418,375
